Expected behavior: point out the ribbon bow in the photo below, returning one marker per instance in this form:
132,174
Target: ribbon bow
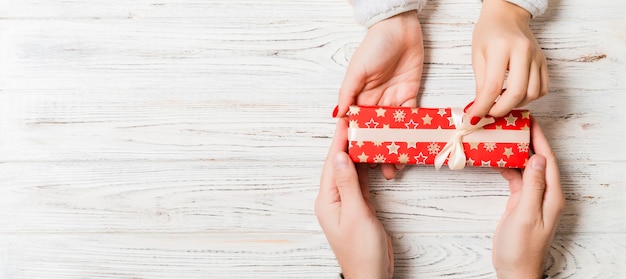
453,150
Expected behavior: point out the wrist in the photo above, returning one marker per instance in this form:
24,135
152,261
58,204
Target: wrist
520,274
402,21
504,10
363,274
370,12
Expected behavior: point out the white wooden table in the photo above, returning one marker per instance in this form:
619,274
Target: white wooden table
185,138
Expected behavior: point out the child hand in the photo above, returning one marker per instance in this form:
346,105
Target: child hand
502,41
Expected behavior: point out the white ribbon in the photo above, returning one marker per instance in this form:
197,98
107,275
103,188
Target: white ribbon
453,150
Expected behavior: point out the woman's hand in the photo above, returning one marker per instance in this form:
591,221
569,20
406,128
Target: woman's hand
345,213
386,69
526,230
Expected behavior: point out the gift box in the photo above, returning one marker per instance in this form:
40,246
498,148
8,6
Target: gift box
437,136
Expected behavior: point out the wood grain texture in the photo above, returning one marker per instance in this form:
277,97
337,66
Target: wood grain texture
440,11
253,255
185,138
55,125
277,197
253,54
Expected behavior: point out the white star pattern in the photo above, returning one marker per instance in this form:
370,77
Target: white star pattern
399,115
393,148
427,147
411,123
379,158
510,120
403,158
426,119
433,148
371,122
380,112
354,110
522,147
473,145
489,146
508,151
421,162
363,157
451,121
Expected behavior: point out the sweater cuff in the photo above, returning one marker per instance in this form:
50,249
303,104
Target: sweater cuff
369,12
534,7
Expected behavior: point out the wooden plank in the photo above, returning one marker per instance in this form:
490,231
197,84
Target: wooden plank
214,255
267,125
169,139
275,197
205,53
448,10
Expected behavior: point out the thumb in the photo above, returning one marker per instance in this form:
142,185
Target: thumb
353,83
534,185
347,182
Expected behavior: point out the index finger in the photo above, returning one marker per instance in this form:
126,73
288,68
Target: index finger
352,84
339,144
495,70
516,87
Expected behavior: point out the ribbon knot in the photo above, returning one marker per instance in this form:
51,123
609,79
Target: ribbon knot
453,150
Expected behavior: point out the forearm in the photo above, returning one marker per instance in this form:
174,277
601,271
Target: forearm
369,12
534,7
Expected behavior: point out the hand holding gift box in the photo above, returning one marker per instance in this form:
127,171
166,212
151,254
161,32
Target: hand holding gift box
437,136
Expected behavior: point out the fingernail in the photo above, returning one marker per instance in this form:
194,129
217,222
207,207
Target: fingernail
474,120
468,106
340,161
335,111
538,163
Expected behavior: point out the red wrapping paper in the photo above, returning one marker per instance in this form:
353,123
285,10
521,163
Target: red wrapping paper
417,136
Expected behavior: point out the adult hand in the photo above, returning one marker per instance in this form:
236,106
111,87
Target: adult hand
502,41
386,68
526,230
345,213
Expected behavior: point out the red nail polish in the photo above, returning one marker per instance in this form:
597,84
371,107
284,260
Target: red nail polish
474,120
335,111
468,106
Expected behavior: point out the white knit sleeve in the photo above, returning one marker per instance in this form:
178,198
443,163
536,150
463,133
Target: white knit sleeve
369,12
534,7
